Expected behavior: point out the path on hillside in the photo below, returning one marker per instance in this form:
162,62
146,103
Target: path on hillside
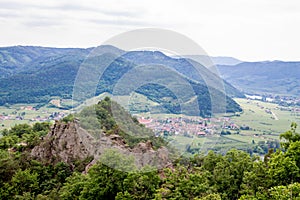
274,115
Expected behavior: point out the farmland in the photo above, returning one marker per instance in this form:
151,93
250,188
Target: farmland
259,123
28,113
257,127
265,118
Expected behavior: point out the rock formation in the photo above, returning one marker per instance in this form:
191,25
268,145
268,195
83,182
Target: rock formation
68,142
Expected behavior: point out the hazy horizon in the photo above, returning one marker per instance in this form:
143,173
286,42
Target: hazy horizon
251,31
212,56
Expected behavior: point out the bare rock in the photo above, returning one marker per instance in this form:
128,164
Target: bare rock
69,142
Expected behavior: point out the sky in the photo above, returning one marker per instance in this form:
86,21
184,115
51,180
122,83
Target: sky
250,30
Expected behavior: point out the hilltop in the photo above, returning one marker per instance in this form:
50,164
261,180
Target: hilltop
91,135
37,74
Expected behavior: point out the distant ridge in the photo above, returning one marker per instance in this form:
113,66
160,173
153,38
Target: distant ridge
216,60
225,60
267,77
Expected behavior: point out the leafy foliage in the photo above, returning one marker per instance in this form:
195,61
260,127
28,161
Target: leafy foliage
23,135
113,119
235,175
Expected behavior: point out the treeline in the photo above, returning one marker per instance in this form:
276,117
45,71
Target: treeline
235,175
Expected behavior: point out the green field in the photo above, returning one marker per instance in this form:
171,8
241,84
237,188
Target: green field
21,110
266,121
255,116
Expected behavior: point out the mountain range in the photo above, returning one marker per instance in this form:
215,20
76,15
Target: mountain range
269,77
37,74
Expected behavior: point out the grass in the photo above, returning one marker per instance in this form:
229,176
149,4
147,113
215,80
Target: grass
260,121
180,142
245,138
16,110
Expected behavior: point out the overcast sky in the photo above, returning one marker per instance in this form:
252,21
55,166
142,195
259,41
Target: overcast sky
245,29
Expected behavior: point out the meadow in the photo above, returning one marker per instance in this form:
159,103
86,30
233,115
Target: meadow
26,114
265,118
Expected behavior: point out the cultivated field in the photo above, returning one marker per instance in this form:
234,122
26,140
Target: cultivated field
265,118
25,113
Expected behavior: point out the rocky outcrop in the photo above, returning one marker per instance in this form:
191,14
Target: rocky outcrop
69,142
64,143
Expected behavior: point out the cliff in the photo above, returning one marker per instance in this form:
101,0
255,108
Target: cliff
68,142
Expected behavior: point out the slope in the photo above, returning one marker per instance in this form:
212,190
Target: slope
277,77
42,77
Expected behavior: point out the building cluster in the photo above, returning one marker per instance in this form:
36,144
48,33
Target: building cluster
47,117
187,126
52,116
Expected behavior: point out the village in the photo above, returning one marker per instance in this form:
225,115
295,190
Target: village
188,126
24,114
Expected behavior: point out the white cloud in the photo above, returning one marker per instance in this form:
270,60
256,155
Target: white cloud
249,30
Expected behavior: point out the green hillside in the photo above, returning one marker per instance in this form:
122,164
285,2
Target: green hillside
277,77
46,72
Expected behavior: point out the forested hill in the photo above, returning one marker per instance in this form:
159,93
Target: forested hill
22,58
37,162
276,77
36,74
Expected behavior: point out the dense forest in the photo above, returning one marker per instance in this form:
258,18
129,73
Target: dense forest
38,74
234,175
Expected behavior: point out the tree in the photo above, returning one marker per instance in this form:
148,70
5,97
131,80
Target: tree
294,152
289,192
8,167
183,184
71,190
103,182
213,196
23,182
20,129
105,179
256,179
290,136
228,174
282,169
41,128
140,185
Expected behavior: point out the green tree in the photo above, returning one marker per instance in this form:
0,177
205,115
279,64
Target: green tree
23,182
282,169
228,174
255,180
140,185
289,192
290,136
20,129
294,152
71,190
183,184
41,128
103,183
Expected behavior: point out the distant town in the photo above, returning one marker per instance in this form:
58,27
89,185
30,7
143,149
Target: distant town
278,99
189,126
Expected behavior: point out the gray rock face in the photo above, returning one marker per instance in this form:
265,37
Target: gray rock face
69,142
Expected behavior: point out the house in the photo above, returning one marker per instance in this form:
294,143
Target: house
144,121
